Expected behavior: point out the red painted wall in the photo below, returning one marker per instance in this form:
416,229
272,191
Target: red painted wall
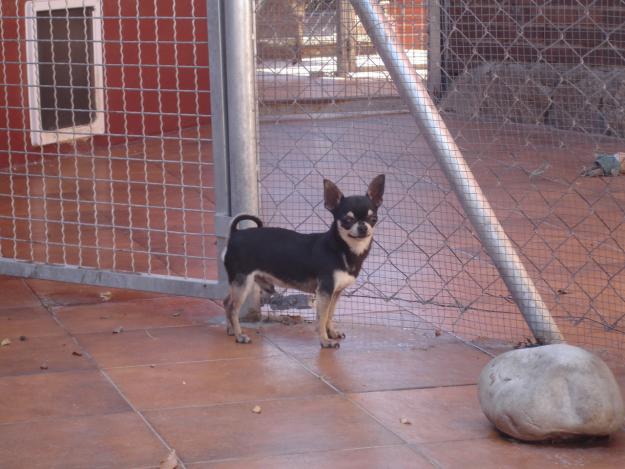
139,52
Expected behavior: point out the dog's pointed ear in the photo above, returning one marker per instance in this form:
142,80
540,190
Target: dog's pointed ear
332,196
376,190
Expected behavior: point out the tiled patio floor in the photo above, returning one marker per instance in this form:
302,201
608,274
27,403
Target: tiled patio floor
74,394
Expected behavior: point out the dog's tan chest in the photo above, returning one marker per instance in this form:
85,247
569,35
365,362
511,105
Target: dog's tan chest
342,280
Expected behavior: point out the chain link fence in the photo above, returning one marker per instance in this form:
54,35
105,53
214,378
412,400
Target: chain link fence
534,95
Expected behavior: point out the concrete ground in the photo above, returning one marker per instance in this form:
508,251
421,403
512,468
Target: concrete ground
73,393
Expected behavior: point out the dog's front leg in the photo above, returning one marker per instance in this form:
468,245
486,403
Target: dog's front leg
324,303
332,332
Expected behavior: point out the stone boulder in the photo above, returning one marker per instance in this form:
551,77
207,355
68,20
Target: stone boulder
553,392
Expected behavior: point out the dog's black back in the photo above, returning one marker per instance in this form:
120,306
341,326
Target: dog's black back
296,259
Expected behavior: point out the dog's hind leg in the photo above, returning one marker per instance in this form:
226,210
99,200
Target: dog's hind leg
239,289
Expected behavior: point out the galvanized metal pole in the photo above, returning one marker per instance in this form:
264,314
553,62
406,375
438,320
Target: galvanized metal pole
483,218
240,61
241,105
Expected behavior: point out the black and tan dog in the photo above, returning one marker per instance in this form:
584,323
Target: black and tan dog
320,263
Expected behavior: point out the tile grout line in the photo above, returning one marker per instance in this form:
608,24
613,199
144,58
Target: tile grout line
142,417
356,404
108,378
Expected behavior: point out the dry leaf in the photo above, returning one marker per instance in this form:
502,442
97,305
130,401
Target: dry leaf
257,409
176,314
437,332
5,342
405,421
43,367
23,338
170,462
78,354
118,330
106,295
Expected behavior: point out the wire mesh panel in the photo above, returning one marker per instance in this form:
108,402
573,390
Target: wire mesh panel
105,153
531,93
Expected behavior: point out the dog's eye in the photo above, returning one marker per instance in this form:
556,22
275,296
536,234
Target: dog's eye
348,220
372,220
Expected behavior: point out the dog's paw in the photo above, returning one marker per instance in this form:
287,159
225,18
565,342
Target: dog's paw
229,330
243,339
335,334
330,344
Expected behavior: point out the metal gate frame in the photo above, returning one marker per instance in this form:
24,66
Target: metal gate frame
233,122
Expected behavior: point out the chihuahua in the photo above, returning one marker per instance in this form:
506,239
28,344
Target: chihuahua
320,263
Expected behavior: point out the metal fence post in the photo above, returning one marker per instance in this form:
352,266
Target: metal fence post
458,172
233,94
241,105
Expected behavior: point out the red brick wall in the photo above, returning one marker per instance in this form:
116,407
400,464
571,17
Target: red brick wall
557,31
410,17
123,73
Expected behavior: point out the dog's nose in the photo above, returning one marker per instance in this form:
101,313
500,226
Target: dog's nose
362,229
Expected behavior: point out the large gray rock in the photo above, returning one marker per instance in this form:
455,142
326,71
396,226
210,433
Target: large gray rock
550,393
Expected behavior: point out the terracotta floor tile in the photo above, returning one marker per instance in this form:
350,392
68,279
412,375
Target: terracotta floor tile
34,321
16,294
65,294
396,457
303,338
36,397
284,426
386,369
104,441
436,414
501,453
216,382
140,314
55,353
170,345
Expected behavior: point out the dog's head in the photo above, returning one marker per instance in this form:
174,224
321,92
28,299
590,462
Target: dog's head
355,215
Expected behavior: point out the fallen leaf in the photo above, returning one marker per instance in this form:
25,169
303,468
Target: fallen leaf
78,354
152,366
176,314
170,462
437,332
106,295
562,291
405,421
118,330
44,366
257,409
23,338
5,342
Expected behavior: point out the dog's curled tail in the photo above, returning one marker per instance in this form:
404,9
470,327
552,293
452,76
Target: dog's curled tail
240,218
